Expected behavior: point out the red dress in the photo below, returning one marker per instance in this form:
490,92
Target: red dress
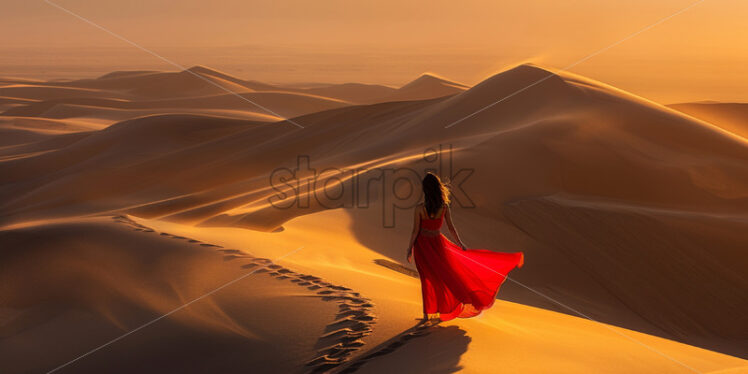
457,282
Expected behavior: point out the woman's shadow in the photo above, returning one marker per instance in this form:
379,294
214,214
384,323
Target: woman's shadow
422,348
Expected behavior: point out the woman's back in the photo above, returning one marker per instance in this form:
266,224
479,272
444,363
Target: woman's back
434,222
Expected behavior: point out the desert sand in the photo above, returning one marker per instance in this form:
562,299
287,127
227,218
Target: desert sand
140,231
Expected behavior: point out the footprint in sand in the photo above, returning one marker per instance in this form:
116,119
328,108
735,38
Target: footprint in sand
231,251
342,337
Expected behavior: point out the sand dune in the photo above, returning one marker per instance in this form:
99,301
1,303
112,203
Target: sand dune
11,102
115,282
353,92
427,86
49,92
190,82
628,211
660,253
15,131
270,106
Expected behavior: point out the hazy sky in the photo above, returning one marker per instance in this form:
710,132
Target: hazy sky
697,55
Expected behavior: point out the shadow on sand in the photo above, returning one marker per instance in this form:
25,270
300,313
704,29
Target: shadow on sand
437,350
397,267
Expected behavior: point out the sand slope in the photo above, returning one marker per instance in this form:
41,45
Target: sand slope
520,338
123,275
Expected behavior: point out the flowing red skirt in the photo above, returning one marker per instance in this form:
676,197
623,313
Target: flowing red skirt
457,283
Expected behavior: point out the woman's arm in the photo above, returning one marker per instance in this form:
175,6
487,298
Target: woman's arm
451,227
414,233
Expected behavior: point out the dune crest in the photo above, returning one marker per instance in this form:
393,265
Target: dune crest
732,117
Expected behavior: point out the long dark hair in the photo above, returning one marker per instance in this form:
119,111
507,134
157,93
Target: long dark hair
435,193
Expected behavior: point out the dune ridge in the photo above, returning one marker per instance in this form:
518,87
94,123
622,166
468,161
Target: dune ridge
732,117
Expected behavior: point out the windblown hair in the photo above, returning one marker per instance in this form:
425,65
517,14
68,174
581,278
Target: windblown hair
435,193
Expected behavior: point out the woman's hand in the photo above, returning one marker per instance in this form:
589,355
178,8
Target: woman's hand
463,246
410,255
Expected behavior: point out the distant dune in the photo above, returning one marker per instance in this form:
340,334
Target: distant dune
427,86
199,90
252,103
353,92
629,212
49,92
197,81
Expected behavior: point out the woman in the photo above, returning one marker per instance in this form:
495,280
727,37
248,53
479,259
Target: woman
455,281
